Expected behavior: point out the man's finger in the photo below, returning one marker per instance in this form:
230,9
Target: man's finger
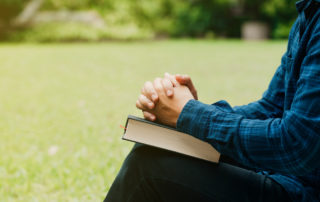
149,116
157,84
186,80
143,91
168,86
144,103
139,105
183,79
172,79
150,92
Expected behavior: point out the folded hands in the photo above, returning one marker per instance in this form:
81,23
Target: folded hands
163,99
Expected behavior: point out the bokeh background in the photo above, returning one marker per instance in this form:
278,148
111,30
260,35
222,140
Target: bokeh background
71,71
100,20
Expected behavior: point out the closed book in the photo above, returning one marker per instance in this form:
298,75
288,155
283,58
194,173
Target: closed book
153,134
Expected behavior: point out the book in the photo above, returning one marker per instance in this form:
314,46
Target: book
153,134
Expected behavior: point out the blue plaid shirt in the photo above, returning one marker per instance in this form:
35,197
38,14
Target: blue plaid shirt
278,135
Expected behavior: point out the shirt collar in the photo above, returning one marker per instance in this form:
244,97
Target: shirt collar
304,4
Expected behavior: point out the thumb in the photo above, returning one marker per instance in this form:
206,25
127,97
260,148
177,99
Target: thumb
183,80
186,80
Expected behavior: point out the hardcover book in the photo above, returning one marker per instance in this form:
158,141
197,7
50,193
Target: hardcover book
153,134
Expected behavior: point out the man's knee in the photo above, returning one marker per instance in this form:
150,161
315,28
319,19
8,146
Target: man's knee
142,161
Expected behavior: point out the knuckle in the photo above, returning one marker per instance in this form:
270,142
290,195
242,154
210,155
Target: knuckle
156,82
158,88
146,116
142,99
150,90
147,84
166,82
137,104
158,79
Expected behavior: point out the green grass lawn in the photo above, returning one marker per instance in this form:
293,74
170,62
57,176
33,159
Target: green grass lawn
61,105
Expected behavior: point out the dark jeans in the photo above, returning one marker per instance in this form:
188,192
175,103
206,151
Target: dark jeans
150,174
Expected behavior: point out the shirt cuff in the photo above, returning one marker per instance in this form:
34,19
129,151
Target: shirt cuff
216,123
194,119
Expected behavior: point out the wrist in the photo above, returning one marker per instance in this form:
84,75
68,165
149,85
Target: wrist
180,111
194,118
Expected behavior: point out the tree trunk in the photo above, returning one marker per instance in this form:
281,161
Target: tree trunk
253,30
27,14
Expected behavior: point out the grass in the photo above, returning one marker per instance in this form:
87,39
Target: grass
61,105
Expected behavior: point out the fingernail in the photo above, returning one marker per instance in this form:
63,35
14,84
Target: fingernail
150,105
154,97
169,92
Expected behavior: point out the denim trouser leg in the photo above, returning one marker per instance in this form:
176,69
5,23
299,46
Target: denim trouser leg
150,174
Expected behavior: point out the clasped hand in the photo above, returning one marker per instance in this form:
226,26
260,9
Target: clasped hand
163,99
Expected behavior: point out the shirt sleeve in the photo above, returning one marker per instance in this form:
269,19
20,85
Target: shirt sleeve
289,144
272,101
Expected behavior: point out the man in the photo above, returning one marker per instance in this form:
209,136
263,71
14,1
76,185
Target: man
270,148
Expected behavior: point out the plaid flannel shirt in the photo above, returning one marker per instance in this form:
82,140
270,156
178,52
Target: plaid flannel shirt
278,135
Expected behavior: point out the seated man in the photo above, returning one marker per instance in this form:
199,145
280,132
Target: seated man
270,148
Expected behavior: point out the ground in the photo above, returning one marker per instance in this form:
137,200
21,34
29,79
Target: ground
61,105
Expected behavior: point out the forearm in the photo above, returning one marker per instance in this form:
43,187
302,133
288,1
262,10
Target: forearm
270,144
261,109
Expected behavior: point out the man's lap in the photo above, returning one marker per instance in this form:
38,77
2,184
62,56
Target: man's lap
152,174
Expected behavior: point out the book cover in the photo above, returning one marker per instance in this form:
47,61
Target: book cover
168,138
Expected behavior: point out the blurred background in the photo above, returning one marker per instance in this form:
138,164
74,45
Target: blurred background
71,71
99,20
